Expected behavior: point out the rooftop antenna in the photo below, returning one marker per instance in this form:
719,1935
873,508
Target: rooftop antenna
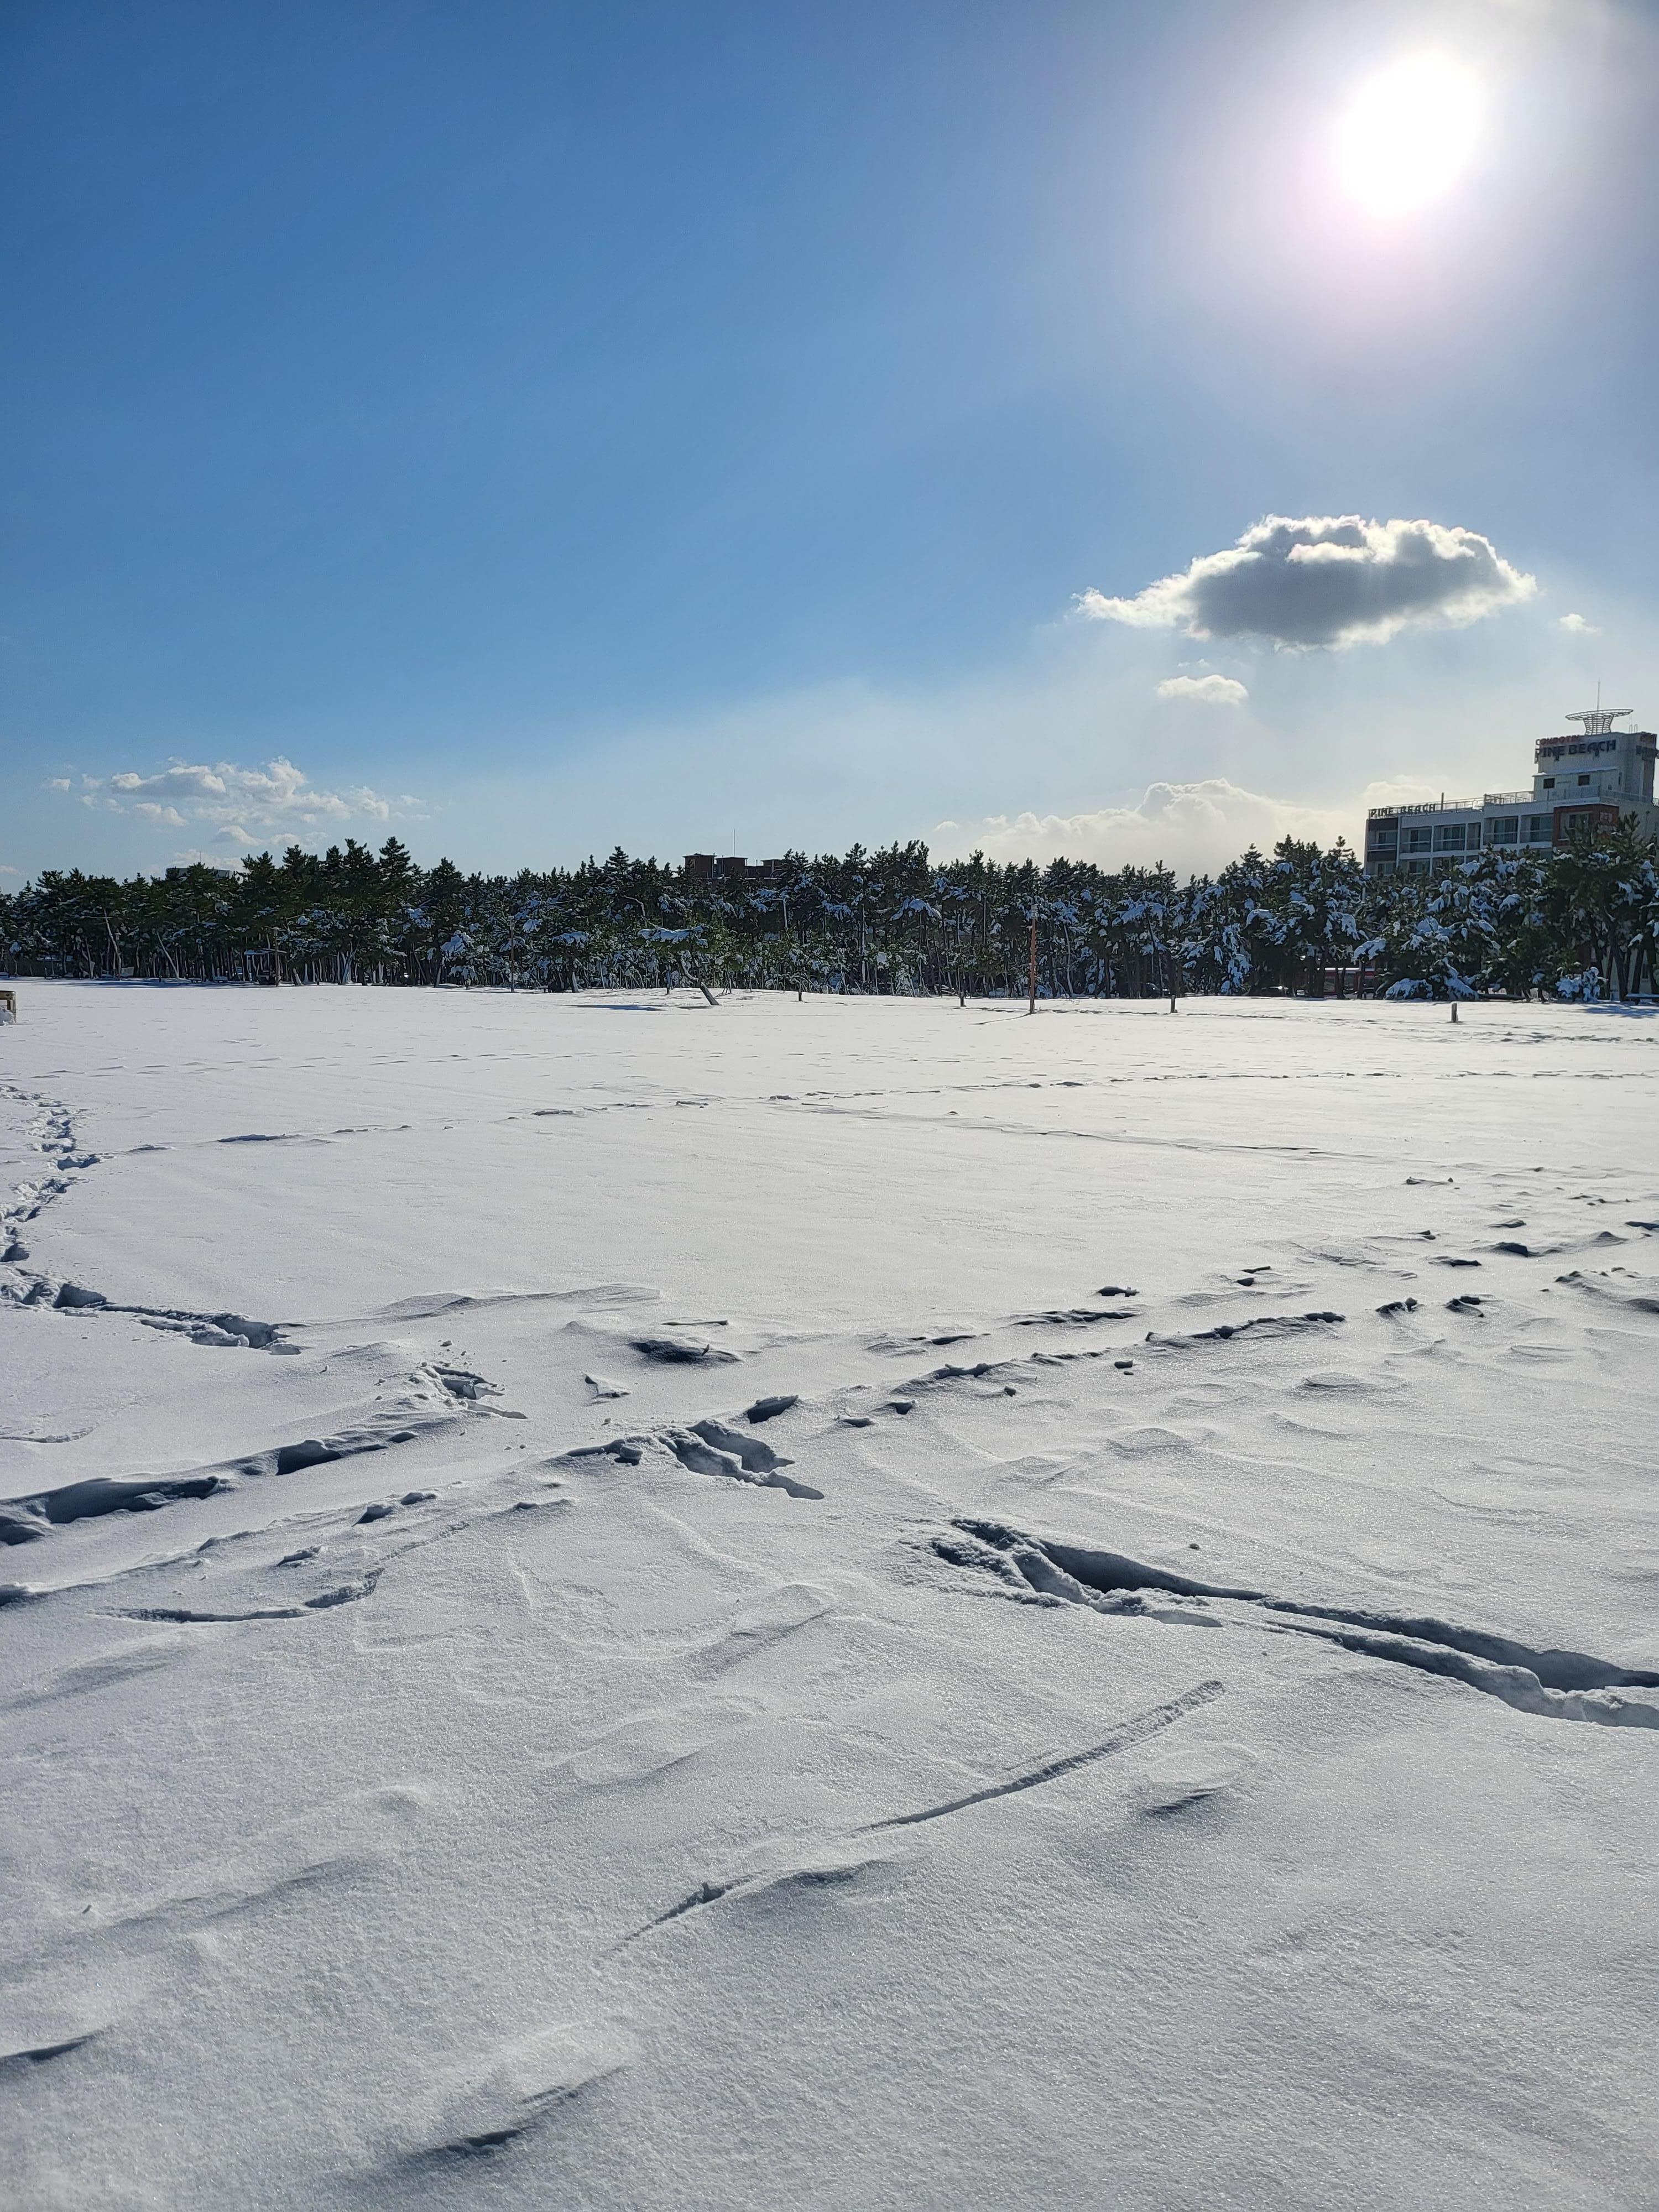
1599,719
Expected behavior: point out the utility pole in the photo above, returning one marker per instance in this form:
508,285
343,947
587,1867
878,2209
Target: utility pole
1163,951
1031,1006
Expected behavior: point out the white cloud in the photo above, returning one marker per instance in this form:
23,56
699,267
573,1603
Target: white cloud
60,783
1577,623
1193,827
5,870
1211,690
1326,580
193,856
241,805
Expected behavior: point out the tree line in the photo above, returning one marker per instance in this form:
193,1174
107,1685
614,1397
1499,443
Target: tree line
1584,923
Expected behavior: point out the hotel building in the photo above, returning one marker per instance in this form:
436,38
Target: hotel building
1580,783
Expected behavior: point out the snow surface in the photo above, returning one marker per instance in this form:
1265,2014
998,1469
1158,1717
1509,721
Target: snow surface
1150,1717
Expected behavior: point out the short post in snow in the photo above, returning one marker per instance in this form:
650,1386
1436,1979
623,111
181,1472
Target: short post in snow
1454,1009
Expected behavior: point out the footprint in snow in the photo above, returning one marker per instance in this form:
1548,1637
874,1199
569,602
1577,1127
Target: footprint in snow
518,2087
765,1620
1139,1443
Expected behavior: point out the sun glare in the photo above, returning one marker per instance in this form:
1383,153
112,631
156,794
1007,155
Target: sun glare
1409,135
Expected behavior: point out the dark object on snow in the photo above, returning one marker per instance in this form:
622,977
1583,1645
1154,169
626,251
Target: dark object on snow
678,1351
767,1409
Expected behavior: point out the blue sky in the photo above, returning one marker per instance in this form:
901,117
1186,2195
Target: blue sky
542,428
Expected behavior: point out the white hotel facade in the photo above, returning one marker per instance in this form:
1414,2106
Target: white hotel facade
1581,783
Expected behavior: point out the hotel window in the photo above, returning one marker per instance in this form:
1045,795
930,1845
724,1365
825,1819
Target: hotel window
1538,828
1548,783
1503,830
1584,779
1419,841
1449,838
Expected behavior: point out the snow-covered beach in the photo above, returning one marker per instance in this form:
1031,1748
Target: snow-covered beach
828,1603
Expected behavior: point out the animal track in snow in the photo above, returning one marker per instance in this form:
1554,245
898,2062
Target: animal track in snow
705,1447
51,1134
228,1330
680,1351
1557,1685
461,1386
711,1448
836,1861
337,1842
512,2091
1127,1733
1631,1295
767,1409
1281,1324
830,1865
957,1371
1072,1317
461,1383
19,2061
348,1593
26,1520
937,1339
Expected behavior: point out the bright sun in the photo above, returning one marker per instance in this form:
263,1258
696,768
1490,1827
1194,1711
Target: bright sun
1408,134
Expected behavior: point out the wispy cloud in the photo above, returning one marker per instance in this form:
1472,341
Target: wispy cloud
1577,623
240,805
1206,690
195,856
1326,580
1191,827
